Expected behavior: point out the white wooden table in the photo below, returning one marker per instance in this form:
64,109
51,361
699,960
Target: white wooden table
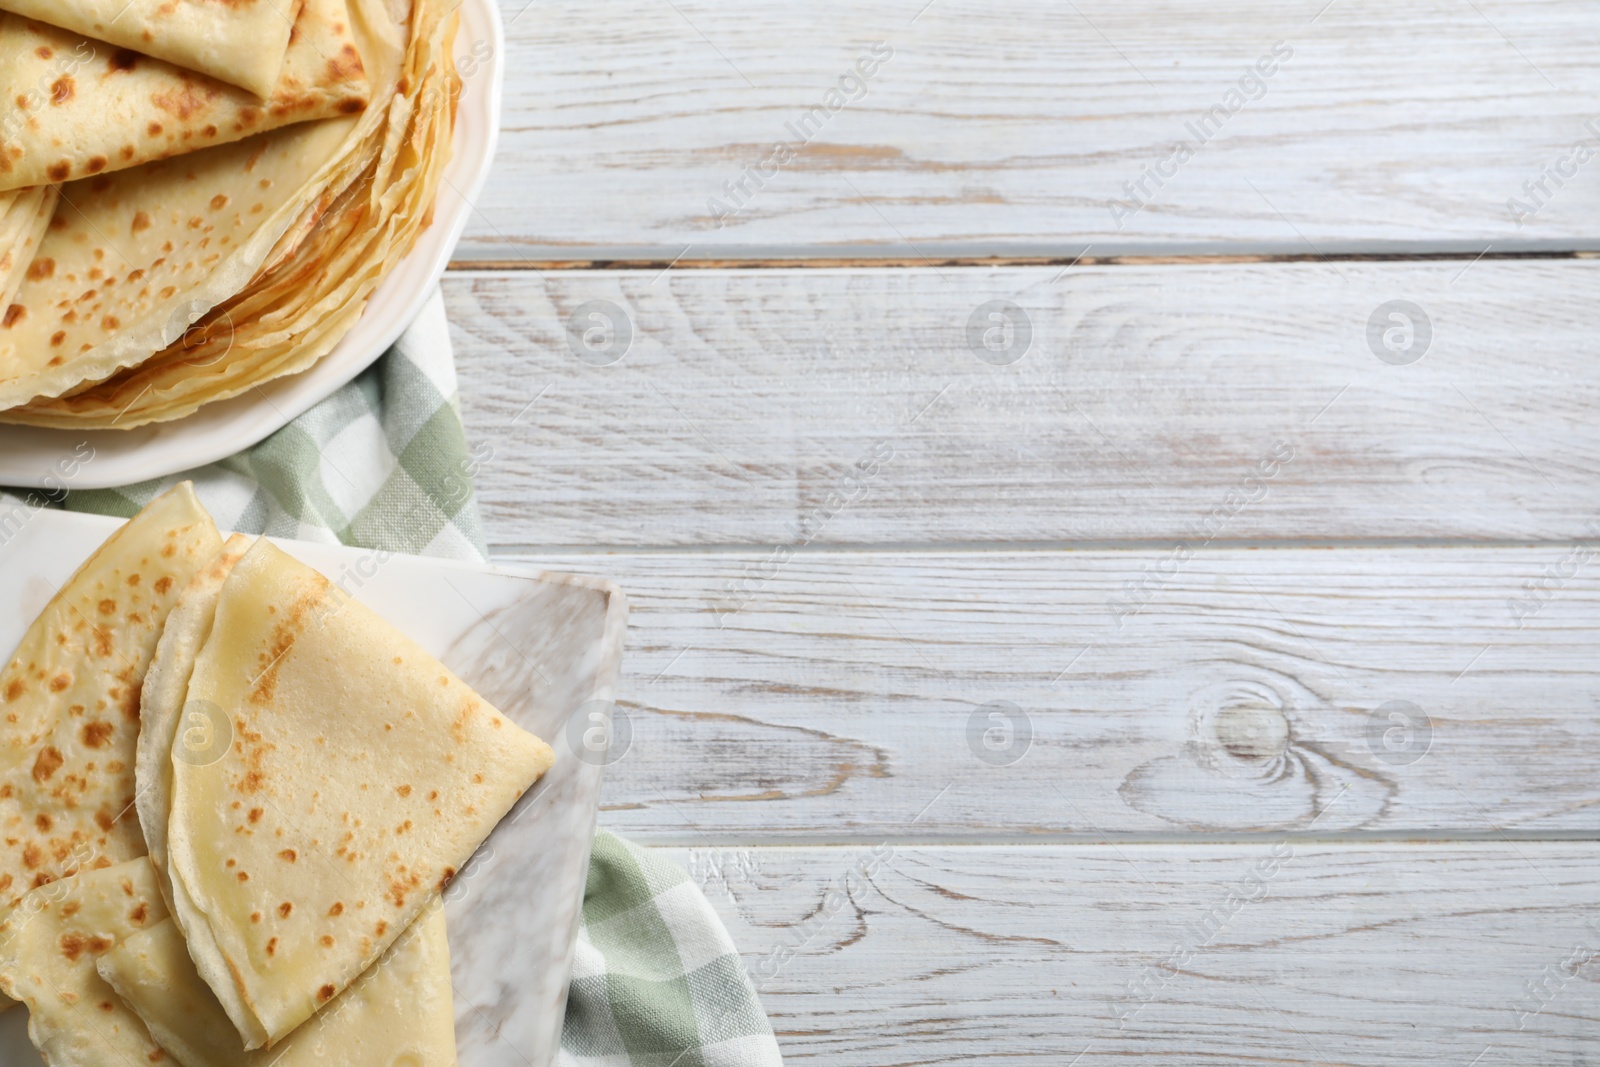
1196,673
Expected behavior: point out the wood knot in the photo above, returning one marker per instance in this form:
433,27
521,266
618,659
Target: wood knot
1252,732
1254,759
1241,729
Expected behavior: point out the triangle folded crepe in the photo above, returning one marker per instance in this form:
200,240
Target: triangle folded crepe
399,1012
132,259
24,214
297,310
49,946
242,42
69,699
359,776
86,107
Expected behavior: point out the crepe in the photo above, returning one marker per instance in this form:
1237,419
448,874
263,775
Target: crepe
48,949
130,255
70,699
87,108
161,701
399,1012
132,259
362,777
241,42
24,214
294,313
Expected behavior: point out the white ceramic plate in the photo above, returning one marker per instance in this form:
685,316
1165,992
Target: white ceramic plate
29,457
540,648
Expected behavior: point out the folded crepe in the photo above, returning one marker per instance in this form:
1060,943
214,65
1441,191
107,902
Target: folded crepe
298,309
362,776
48,949
242,42
24,214
132,259
399,1012
161,701
69,699
85,107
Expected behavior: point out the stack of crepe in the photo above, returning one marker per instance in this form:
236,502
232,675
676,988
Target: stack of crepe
231,799
199,196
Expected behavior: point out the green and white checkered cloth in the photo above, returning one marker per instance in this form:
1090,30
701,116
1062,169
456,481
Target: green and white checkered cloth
384,463
656,981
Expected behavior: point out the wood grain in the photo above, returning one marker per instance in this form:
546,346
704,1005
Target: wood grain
1198,546
1145,396
1403,127
1286,952
832,697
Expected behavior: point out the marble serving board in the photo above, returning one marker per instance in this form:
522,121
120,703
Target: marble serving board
543,648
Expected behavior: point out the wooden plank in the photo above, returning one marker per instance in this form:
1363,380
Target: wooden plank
1144,397
1239,692
1013,134
1282,952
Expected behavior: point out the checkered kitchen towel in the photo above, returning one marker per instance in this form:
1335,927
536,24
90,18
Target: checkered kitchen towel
656,981
384,463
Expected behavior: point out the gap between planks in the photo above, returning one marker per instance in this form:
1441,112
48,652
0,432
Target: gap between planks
1092,839
820,262
512,552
